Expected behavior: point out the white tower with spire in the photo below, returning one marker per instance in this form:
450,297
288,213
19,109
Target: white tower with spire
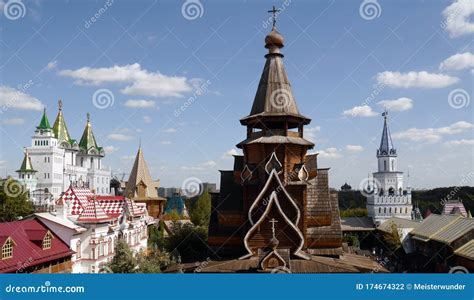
388,198
61,161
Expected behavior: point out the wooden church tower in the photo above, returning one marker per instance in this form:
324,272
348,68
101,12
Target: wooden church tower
275,204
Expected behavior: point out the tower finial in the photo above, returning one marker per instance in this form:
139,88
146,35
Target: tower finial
274,12
88,117
385,114
60,104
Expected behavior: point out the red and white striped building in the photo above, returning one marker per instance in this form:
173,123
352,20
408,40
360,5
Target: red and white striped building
93,224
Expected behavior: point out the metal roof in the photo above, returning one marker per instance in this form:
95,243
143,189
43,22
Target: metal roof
357,224
466,250
399,222
454,230
433,225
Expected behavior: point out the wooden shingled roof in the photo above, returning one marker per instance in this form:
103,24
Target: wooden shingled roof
274,97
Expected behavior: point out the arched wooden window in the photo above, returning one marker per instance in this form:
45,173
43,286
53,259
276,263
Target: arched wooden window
7,249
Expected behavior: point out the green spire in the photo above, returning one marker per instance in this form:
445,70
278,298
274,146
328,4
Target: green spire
26,165
44,123
88,139
59,128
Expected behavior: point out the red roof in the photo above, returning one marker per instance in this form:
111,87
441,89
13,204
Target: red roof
94,213
27,250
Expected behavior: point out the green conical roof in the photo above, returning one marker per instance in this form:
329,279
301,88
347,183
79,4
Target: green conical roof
26,165
59,128
44,123
88,139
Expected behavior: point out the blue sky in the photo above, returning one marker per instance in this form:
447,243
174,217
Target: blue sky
345,66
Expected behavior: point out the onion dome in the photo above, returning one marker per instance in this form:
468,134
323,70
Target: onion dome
274,38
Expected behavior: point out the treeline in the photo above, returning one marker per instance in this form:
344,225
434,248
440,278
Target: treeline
425,199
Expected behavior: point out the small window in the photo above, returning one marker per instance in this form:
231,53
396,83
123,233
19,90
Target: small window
385,165
7,249
47,241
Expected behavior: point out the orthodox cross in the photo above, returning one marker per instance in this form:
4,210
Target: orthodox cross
88,117
60,104
274,12
385,114
273,221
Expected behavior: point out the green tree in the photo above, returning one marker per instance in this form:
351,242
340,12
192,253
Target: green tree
154,262
188,241
14,202
123,261
354,212
201,210
393,238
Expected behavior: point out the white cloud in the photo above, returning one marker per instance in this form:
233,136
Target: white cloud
110,149
354,148
432,135
14,121
230,153
457,18
138,80
13,98
330,153
360,111
165,142
140,103
310,132
200,167
401,104
459,61
147,119
170,130
119,137
413,79
462,142
52,65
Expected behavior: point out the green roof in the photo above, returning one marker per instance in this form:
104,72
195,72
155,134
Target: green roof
26,165
60,129
88,140
44,123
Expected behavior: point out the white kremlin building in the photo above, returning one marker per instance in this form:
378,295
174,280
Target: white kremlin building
55,161
388,198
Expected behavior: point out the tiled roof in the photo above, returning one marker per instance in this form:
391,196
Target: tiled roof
93,213
27,236
112,205
433,225
466,250
79,198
